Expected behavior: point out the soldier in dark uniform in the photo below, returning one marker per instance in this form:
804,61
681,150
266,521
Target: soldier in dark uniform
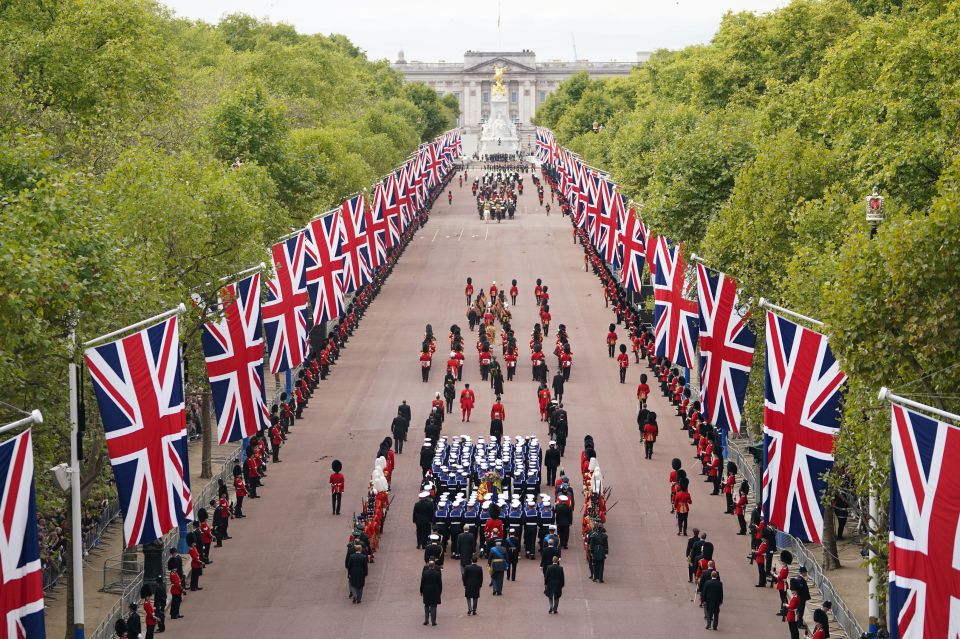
513,552
599,549
133,622
433,551
551,460
531,524
423,512
160,603
564,514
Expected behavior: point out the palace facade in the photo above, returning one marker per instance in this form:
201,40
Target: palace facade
528,80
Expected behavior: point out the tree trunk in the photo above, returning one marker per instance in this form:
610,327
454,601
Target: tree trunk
831,558
206,466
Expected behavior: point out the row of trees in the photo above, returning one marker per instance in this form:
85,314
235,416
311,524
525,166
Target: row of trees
757,150
143,156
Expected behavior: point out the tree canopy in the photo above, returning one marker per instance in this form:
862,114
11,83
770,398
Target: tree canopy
143,156
757,151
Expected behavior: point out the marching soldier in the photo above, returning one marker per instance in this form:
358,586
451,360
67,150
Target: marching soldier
425,362
423,512
611,340
467,400
398,428
564,517
624,362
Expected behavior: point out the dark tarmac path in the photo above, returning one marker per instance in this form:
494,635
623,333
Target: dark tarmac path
282,574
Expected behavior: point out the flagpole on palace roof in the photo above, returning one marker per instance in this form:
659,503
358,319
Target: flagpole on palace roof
180,308
765,304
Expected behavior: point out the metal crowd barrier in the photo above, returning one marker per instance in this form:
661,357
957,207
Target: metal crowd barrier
131,591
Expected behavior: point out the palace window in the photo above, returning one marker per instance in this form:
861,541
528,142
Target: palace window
541,96
513,97
485,97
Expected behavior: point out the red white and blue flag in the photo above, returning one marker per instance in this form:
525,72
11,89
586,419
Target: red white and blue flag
233,350
325,264
377,232
726,350
139,390
286,313
801,418
544,140
924,594
387,198
21,575
594,207
610,221
632,250
353,243
675,316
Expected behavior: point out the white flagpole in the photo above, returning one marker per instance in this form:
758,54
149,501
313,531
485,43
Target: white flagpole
873,604
253,269
75,519
765,304
180,308
34,417
886,396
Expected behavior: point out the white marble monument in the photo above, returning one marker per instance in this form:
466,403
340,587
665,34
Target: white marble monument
499,134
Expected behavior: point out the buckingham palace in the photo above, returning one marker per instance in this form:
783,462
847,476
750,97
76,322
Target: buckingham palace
527,80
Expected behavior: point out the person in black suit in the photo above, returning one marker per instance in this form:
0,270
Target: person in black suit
431,587
399,428
547,555
356,565
712,597
472,583
553,584
466,546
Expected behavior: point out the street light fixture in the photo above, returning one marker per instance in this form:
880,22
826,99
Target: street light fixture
874,210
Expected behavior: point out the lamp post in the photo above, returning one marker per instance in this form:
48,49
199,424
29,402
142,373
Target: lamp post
874,210
873,206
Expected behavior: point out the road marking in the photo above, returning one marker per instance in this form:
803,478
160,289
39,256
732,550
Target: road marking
436,234
461,234
487,234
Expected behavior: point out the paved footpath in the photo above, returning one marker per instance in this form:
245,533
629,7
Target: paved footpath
282,574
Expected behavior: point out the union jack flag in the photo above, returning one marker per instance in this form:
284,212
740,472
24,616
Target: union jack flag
325,264
924,594
594,206
801,417
675,316
411,196
457,143
543,142
21,577
388,197
653,245
377,236
286,314
139,391
353,244
233,349
610,222
632,250
404,198
726,350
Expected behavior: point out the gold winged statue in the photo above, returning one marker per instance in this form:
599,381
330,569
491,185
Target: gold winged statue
498,88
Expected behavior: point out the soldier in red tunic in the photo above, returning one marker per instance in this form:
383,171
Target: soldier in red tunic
425,361
497,411
337,483
543,400
612,340
623,361
537,290
468,290
681,504
276,438
514,292
240,490
467,400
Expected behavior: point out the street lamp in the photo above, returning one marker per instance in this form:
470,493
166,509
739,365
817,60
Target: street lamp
874,210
